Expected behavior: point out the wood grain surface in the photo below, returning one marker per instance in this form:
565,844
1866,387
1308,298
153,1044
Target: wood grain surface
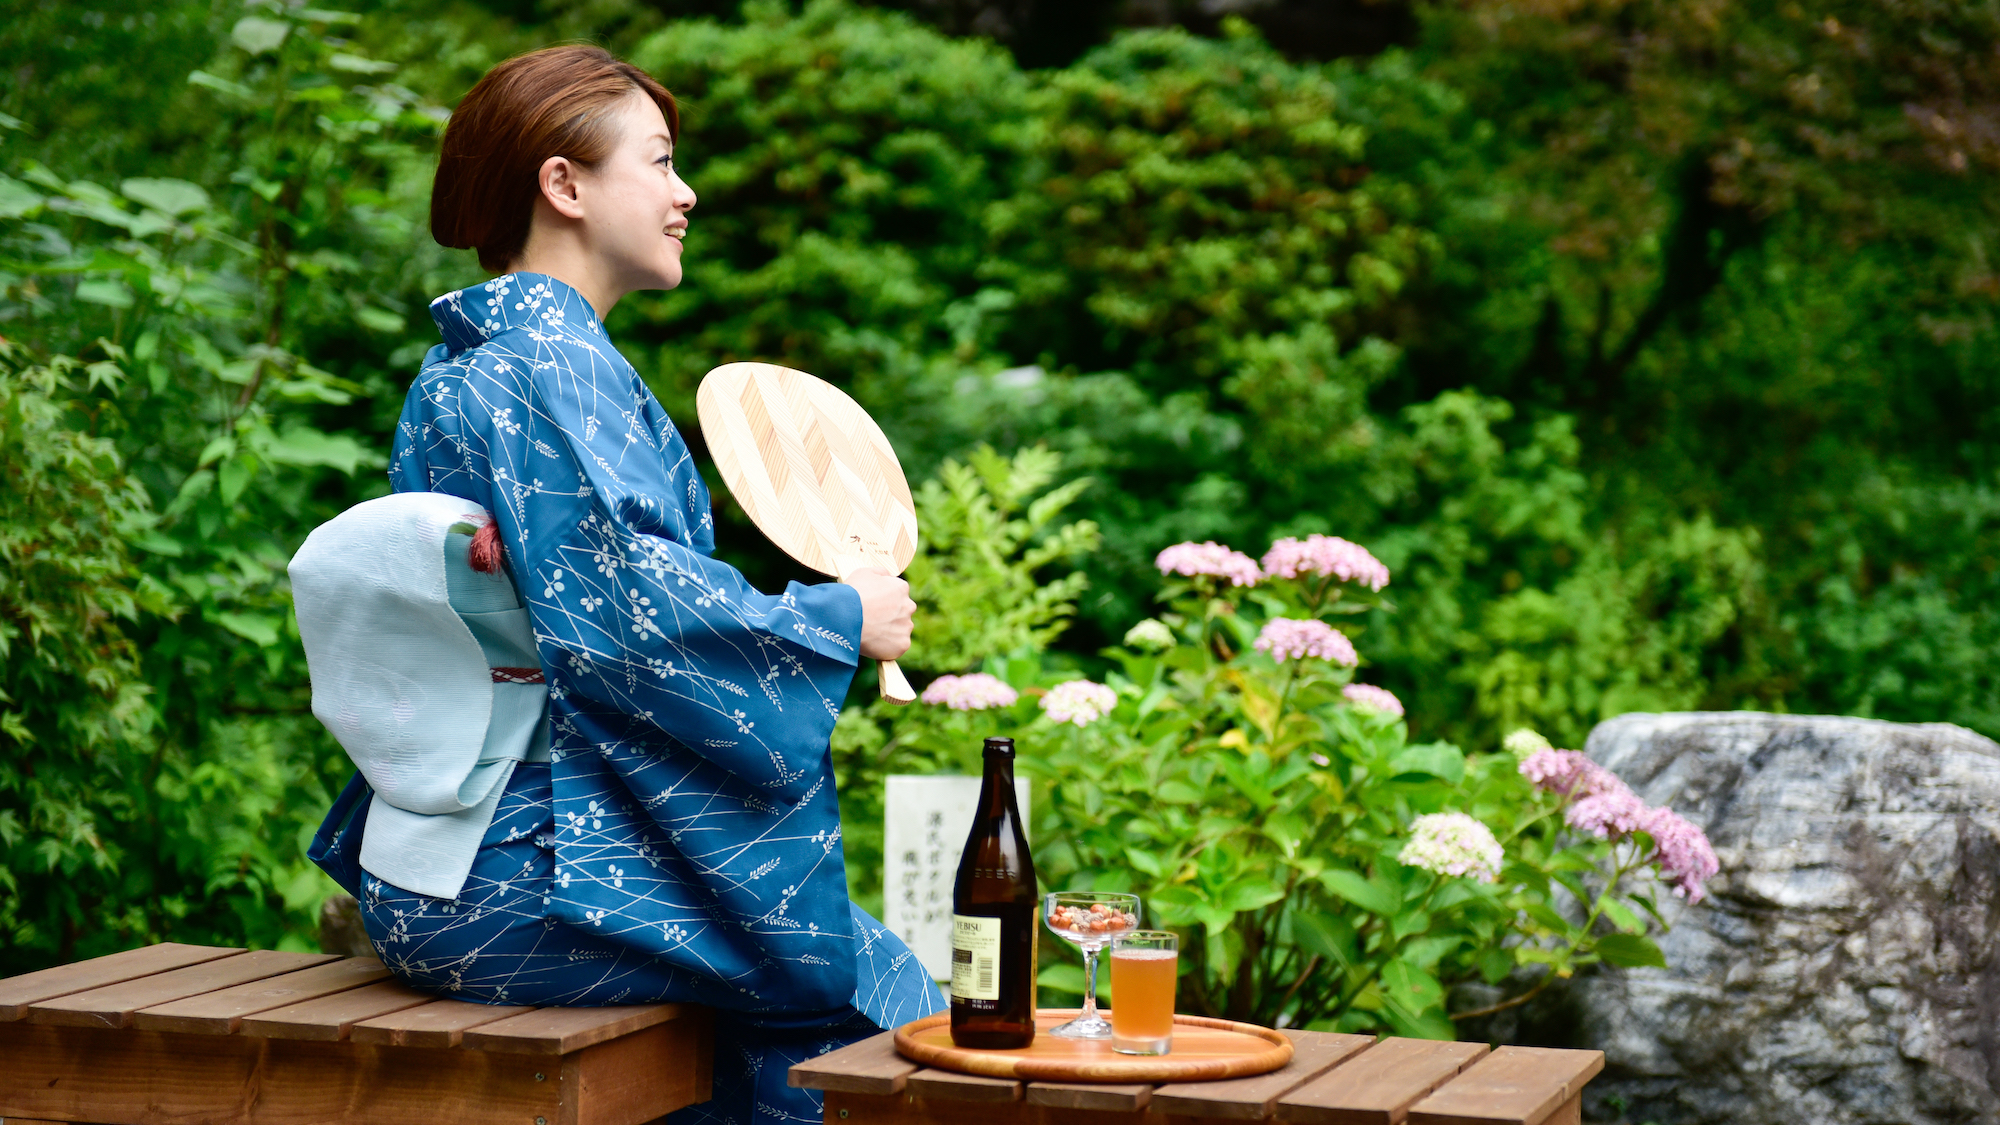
810,467
558,1031
330,1018
1513,1085
1252,1099
1104,1097
947,1085
1203,1049
163,1078
639,1077
441,1023
871,1067
1379,1085
114,1004
222,1011
16,993
814,473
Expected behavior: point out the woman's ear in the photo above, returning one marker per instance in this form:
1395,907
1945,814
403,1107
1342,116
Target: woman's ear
560,188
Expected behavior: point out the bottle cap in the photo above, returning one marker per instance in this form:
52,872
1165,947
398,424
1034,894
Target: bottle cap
1000,747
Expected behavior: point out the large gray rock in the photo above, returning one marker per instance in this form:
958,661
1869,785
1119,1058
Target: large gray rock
1846,966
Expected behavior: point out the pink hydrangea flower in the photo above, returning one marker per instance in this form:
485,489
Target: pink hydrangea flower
1683,854
1328,556
1079,701
1453,844
1211,560
976,692
1285,638
1611,812
1374,698
1606,807
1567,772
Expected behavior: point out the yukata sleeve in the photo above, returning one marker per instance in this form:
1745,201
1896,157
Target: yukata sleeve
597,501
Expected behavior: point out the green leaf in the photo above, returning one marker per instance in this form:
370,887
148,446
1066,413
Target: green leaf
1325,935
1371,897
258,35
216,449
1436,759
221,85
1250,894
355,64
1410,988
172,197
1145,861
17,199
1428,951
233,476
380,320
307,447
1624,917
1545,914
1458,891
262,630
106,291
1066,976
1427,1025
1630,951
1175,792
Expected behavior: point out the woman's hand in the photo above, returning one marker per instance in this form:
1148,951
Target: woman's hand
886,610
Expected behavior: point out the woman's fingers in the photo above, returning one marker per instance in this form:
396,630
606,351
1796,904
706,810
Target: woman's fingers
887,613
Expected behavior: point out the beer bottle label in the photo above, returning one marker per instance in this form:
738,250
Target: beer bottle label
975,958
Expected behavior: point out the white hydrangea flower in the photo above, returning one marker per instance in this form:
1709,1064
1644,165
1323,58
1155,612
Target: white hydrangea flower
1150,635
1453,844
1079,701
1524,743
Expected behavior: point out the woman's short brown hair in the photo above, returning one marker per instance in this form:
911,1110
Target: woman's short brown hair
545,103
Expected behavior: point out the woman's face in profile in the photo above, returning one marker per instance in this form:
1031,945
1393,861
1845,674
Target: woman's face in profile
637,203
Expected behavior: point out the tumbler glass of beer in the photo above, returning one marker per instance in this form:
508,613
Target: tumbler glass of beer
1143,966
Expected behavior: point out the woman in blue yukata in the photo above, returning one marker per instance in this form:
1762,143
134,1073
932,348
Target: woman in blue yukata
648,813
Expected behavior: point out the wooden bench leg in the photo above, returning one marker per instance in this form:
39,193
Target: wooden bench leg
1569,1113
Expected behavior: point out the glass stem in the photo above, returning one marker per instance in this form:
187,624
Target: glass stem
1089,985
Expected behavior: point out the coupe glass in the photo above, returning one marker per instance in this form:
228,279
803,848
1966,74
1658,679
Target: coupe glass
1090,919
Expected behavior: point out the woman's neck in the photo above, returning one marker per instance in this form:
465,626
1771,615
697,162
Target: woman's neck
571,266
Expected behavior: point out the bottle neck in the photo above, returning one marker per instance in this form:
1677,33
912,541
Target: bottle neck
997,785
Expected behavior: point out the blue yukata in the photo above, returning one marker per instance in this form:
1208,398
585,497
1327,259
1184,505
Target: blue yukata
682,842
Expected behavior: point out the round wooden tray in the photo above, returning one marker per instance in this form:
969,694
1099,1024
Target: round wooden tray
1204,1049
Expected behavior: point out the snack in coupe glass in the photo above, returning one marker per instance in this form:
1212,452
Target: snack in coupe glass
1091,919
1143,966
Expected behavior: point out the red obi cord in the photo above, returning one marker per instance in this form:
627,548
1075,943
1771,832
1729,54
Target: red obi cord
518,676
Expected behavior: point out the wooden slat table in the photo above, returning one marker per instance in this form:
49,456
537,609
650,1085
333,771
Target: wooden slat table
194,1035
1331,1080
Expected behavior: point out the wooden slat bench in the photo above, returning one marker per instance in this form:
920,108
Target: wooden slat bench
1331,1080
194,1035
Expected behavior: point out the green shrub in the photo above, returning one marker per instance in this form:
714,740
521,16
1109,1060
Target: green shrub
1284,825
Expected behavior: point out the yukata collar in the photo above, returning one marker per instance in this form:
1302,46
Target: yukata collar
537,302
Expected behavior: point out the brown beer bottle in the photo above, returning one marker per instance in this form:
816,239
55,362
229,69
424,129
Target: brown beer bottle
994,904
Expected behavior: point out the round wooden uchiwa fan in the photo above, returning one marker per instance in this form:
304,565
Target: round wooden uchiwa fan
814,472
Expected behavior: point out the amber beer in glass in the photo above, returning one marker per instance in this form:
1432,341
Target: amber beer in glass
1143,966
993,908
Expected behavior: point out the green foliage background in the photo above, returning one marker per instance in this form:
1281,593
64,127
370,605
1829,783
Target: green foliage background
1651,345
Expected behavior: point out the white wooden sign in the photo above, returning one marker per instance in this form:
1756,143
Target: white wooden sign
925,822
